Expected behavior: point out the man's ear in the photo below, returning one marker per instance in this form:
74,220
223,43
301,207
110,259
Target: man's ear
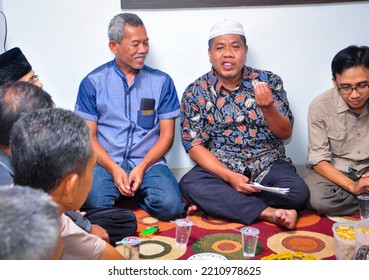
69,187
334,81
113,46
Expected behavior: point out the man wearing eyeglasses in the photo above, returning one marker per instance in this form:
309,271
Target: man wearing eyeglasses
338,125
14,66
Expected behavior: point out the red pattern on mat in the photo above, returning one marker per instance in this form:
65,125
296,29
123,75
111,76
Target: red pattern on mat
312,236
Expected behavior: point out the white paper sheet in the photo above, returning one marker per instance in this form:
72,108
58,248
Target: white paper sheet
269,189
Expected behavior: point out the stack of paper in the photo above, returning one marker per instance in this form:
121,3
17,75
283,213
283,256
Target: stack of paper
269,189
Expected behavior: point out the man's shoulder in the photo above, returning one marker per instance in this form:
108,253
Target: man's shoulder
199,87
100,72
207,78
251,71
153,71
6,177
5,161
108,66
324,99
4,157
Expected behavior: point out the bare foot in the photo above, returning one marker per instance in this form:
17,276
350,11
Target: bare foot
285,218
282,217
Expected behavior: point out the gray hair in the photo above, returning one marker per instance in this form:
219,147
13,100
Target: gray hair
29,224
116,25
47,145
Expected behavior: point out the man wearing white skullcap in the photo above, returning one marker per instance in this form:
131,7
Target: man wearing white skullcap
226,26
234,120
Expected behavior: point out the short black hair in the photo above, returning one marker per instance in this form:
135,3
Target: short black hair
17,98
350,57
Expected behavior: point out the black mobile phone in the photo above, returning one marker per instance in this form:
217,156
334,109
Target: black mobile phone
147,104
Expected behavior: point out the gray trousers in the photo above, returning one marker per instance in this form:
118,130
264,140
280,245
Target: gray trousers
327,198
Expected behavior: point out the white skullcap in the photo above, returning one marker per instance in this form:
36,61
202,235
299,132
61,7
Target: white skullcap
226,26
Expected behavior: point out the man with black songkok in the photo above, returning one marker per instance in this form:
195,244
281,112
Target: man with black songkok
14,66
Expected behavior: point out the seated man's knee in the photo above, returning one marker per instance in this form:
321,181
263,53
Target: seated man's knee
319,205
169,209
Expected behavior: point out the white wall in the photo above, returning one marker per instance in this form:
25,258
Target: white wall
66,39
2,28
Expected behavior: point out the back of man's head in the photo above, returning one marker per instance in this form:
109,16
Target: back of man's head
47,145
17,98
29,224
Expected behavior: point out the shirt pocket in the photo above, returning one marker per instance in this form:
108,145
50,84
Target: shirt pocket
146,121
337,140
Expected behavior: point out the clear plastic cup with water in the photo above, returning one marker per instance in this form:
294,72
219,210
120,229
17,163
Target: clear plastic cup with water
183,232
250,236
363,201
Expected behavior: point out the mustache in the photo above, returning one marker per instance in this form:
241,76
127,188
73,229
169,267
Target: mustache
140,56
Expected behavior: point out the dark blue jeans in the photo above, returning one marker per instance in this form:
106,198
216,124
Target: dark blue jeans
159,193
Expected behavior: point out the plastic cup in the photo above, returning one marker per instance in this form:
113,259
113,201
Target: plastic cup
344,246
361,234
183,232
250,236
131,247
363,200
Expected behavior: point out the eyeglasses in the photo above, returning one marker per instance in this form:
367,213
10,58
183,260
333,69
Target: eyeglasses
34,79
360,88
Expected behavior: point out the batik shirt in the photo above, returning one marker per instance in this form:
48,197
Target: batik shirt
229,123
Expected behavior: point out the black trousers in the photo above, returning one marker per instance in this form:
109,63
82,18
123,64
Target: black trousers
218,199
118,222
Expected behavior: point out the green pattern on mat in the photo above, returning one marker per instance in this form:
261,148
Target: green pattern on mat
204,245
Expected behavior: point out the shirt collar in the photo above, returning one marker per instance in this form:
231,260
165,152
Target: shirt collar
214,80
121,73
341,105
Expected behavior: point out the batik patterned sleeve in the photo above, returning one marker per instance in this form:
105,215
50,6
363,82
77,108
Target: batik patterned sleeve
280,96
192,122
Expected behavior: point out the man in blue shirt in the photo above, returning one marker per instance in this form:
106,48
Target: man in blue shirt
131,110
